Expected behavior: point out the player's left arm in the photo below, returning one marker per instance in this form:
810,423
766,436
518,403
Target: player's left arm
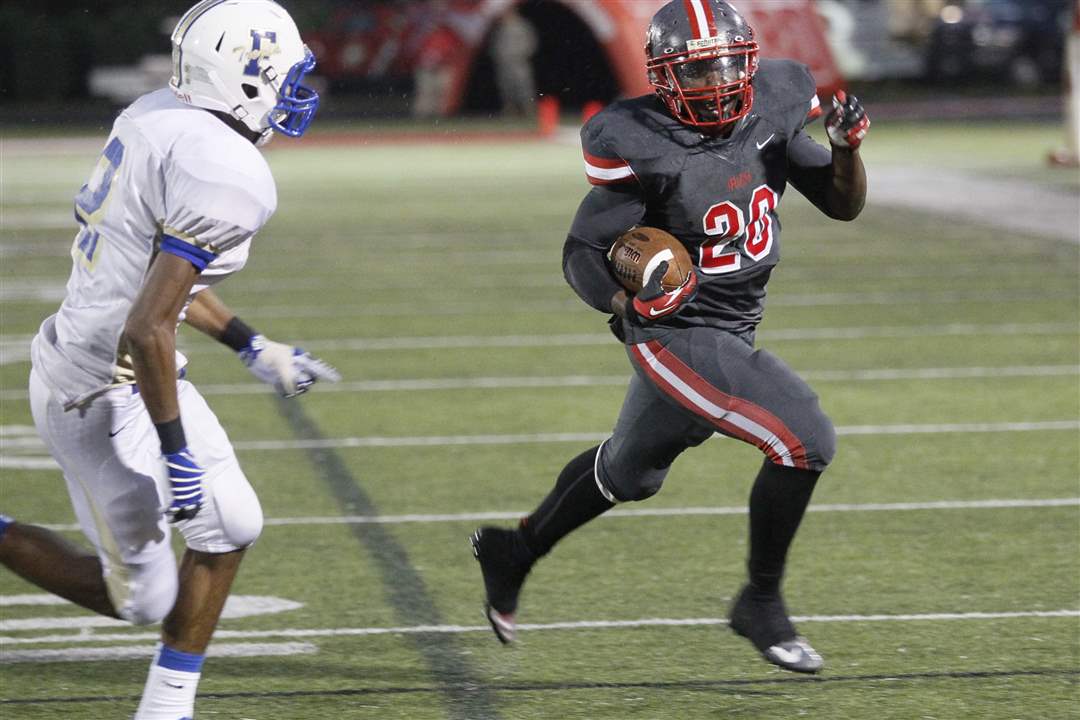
835,182
289,369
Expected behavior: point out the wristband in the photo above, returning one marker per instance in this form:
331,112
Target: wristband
171,434
237,334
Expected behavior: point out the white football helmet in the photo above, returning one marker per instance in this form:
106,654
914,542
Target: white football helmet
244,58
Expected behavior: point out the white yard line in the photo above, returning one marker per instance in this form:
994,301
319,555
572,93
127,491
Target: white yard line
544,307
30,443
135,652
437,342
989,504
532,438
531,627
525,382
15,349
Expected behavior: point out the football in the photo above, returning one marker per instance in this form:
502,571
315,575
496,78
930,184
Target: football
637,252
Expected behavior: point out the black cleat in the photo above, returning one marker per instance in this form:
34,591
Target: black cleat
504,574
763,620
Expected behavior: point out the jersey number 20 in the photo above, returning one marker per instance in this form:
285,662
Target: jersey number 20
725,221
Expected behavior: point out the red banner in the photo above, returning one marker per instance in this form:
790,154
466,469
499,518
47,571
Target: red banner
388,39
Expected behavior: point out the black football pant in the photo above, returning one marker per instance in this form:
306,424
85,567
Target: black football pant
691,383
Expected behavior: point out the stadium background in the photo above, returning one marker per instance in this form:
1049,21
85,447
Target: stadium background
939,568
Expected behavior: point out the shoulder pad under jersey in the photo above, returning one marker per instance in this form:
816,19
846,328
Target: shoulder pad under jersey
784,90
622,142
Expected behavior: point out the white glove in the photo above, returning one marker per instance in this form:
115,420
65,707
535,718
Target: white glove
291,370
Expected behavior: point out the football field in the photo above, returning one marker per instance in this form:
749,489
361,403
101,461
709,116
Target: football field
938,570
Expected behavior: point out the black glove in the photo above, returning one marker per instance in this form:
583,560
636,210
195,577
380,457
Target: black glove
847,123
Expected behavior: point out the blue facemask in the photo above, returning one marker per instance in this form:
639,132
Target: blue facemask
297,103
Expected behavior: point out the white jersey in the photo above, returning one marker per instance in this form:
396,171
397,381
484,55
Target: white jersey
172,178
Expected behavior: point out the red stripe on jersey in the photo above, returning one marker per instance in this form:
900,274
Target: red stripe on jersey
795,452
605,163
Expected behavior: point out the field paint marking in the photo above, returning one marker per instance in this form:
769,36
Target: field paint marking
984,196
646,512
405,589
533,438
17,462
525,382
570,625
546,307
236,606
16,349
27,463
443,342
135,652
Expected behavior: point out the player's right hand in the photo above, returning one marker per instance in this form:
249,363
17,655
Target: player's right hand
652,302
185,484
291,370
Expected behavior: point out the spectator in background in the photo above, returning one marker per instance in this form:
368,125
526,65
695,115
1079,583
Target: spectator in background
433,65
513,44
911,20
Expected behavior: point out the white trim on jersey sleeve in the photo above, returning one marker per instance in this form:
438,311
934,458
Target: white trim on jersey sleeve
604,171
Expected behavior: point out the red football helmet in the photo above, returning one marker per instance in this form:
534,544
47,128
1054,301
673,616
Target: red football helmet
701,58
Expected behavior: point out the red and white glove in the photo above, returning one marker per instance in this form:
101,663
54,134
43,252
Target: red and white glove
652,302
847,123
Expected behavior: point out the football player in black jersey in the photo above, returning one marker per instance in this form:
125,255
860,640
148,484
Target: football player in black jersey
707,158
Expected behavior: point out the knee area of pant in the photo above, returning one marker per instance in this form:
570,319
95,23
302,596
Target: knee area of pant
824,447
149,597
242,529
231,520
637,487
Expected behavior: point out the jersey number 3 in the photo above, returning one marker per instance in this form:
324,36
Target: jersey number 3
91,202
726,223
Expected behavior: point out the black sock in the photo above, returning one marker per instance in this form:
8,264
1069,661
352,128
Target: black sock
574,501
777,503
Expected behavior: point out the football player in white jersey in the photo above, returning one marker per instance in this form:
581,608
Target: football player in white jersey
169,210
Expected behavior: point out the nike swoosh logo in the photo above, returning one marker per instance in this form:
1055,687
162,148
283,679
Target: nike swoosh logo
114,433
176,687
765,142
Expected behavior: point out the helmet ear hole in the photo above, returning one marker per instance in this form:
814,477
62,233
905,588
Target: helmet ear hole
250,90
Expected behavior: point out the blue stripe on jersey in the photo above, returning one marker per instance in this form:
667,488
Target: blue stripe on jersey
197,256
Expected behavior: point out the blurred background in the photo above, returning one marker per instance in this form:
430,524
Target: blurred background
402,59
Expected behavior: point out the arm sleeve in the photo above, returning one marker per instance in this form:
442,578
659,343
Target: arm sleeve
206,216
809,163
604,214
810,168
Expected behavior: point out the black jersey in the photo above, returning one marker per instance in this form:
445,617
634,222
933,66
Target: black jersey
718,196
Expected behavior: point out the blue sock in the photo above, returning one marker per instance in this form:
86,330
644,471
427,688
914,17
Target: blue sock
5,523
182,661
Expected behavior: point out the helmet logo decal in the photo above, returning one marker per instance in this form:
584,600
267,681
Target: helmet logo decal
704,43
263,45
